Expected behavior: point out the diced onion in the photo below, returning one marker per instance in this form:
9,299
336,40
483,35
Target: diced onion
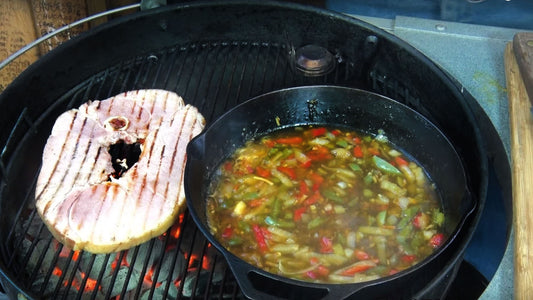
319,141
403,202
394,153
350,239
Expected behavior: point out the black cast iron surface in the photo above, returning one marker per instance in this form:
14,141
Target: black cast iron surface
336,106
214,64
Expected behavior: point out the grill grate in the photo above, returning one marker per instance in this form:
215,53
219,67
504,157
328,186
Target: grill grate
214,77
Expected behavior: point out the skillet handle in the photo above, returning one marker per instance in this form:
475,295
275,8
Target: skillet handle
255,285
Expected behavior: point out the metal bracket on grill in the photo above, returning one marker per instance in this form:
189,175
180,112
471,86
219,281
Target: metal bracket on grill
313,60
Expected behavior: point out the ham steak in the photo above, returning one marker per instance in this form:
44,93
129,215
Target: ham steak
101,201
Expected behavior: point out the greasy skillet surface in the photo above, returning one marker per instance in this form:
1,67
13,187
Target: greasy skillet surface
333,106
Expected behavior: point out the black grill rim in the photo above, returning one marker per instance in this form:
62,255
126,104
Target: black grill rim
51,64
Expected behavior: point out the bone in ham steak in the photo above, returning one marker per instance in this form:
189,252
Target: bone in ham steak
82,198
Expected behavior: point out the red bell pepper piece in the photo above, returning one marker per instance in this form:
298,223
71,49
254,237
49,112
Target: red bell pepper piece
260,238
336,132
436,240
361,255
400,161
249,170
266,233
318,131
298,213
408,258
260,171
256,202
269,143
358,151
358,267
317,180
322,270
357,140
326,245
287,171
227,233
421,220
313,199
294,140
307,163
228,166
416,220
311,274
319,153
392,272
304,189
373,151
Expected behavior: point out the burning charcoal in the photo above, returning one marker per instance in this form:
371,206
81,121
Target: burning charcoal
160,293
195,282
87,286
172,290
153,248
167,266
95,263
120,280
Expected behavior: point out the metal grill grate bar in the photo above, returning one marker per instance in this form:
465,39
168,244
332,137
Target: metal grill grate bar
212,76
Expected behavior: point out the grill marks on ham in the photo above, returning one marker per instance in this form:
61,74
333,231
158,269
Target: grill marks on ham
86,208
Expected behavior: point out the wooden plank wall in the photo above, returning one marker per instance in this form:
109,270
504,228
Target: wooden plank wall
23,21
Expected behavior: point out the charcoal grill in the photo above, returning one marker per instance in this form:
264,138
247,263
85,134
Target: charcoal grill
215,56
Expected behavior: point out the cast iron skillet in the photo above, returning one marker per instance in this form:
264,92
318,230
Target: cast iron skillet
361,110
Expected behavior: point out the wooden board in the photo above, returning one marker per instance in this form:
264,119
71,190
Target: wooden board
521,123
16,31
50,15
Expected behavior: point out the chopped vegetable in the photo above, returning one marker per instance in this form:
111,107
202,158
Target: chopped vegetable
326,245
260,238
358,152
385,166
375,230
284,179
331,195
361,255
381,217
298,213
239,208
438,217
262,172
295,140
421,220
316,222
326,205
318,131
436,240
227,233
355,167
400,161
357,267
